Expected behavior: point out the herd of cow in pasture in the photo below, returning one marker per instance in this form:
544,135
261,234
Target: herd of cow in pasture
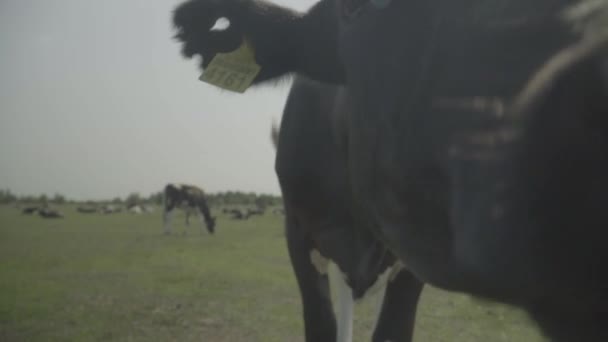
188,204
460,144
45,211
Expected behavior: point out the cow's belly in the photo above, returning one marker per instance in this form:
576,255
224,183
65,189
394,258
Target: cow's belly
450,217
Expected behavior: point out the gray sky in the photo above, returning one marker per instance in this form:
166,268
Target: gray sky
96,102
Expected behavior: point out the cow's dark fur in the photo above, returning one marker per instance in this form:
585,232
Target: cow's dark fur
507,204
190,197
320,215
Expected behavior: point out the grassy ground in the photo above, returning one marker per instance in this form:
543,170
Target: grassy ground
116,278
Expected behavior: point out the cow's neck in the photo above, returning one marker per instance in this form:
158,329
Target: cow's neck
204,209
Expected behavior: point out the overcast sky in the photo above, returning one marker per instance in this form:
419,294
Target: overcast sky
96,102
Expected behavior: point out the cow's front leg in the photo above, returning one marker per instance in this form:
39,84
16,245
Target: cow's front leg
167,219
345,303
398,312
311,273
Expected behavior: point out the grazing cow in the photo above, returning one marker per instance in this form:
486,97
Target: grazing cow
29,210
253,212
189,198
86,210
49,213
110,209
471,194
135,209
238,214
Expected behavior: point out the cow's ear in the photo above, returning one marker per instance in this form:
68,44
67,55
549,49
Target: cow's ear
206,28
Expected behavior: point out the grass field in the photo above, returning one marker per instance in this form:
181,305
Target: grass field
116,278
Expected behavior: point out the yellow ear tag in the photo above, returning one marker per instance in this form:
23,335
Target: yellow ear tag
234,70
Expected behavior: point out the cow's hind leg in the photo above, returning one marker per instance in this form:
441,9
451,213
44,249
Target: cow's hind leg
319,320
167,218
346,303
398,312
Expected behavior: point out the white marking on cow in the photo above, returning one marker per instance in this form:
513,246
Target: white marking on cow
222,24
343,301
319,261
345,305
382,281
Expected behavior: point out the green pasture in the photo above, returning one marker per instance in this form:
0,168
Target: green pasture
93,277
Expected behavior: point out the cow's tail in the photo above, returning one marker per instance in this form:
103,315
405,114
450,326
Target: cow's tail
274,134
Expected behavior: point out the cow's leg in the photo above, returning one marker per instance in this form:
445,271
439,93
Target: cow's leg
202,218
398,312
187,211
319,320
345,307
167,218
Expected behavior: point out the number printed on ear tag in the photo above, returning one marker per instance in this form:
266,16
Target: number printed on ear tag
234,71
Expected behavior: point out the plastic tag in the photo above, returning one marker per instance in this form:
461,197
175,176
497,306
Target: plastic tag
234,71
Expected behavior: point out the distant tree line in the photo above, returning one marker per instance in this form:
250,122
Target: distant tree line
225,198
6,197
214,199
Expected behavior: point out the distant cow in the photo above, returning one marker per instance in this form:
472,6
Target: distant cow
253,212
188,198
135,209
86,210
278,211
110,209
29,210
237,214
49,213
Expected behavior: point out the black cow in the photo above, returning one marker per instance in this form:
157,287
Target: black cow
237,214
471,195
29,210
49,213
186,197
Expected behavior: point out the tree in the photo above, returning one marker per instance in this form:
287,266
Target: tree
6,196
156,198
133,199
58,199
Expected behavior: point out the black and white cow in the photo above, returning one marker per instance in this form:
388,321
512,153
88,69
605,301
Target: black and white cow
189,198
325,246
472,194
